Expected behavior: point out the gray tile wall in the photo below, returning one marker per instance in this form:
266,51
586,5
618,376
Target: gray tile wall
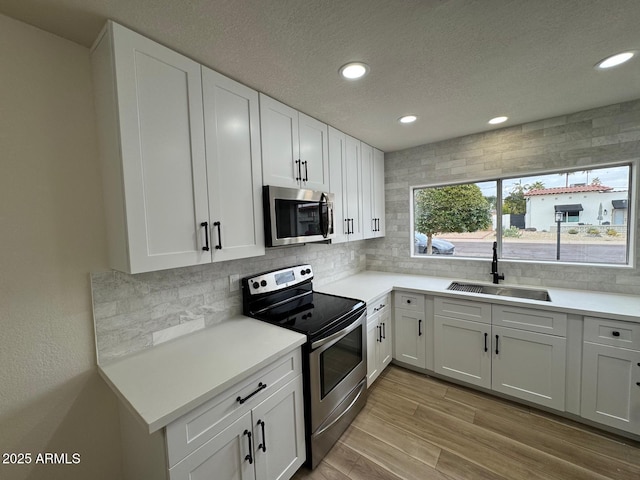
598,136
128,309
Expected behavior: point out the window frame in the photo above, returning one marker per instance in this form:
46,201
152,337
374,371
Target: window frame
632,248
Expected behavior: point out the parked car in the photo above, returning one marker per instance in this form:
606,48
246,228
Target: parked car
438,245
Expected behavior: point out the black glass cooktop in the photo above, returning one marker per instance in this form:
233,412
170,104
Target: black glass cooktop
312,313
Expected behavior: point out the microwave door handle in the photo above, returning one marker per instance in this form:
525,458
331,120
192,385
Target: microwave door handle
321,206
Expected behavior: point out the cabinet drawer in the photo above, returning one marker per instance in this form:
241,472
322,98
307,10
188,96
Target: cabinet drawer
379,304
197,427
463,309
530,319
612,332
409,301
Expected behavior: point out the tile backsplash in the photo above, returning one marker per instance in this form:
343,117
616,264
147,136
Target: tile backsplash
130,309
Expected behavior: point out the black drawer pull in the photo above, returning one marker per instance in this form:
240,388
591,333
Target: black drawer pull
485,342
638,383
249,456
615,333
497,350
408,300
419,328
261,386
263,445
384,331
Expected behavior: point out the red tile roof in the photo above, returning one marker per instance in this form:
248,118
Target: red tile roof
557,190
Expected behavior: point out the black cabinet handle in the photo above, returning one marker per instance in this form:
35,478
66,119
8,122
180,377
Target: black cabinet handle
408,300
249,456
299,177
352,228
206,236
615,333
497,350
263,445
306,172
261,386
219,246
419,328
379,337
638,384
384,331
485,342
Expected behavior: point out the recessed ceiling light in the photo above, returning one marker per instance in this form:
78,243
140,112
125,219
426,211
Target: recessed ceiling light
497,120
408,119
354,70
614,60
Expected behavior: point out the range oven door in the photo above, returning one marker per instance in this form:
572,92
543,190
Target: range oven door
338,364
294,215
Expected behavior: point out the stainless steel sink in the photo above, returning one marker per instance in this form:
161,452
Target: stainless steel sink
504,291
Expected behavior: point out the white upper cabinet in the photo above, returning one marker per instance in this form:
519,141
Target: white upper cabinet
295,150
337,183
149,102
234,168
352,182
151,132
372,191
378,193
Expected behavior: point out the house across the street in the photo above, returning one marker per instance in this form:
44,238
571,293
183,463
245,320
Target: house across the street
579,205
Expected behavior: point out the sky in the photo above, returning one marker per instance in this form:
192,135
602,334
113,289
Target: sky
616,177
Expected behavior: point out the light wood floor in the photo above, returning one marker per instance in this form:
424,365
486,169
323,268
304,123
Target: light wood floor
420,428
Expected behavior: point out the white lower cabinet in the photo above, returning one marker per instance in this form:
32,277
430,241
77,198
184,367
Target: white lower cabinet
266,443
379,337
253,430
471,345
462,350
611,374
411,329
529,365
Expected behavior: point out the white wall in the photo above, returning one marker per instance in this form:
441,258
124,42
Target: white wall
51,237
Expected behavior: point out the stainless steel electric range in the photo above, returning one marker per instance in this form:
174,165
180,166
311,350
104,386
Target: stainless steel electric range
334,356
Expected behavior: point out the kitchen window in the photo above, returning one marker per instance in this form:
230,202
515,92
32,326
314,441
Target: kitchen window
576,216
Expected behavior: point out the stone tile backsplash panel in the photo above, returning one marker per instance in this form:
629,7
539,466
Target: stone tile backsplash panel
129,309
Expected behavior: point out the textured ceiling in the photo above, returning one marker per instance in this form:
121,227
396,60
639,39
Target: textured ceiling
455,63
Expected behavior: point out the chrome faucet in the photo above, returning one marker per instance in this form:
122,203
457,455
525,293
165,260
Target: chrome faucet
494,265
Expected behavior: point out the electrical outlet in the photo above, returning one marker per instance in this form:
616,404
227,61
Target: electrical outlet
234,282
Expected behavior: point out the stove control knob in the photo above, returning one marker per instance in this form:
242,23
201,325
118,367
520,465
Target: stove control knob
308,270
256,285
303,272
263,283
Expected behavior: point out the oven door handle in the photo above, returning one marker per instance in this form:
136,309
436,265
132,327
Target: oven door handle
323,428
338,335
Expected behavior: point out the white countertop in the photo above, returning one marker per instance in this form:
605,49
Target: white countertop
369,285
164,382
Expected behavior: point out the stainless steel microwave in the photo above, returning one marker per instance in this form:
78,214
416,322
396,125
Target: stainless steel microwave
293,215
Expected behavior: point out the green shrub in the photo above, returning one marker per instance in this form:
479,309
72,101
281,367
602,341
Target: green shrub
573,231
612,233
513,232
593,231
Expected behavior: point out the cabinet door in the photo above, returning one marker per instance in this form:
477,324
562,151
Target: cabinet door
410,338
386,346
462,350
280,144
610,386
337,177
368,228
353,188
373,349
234,169
314,153
529,365
224,456
378,192
278,425
153,157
